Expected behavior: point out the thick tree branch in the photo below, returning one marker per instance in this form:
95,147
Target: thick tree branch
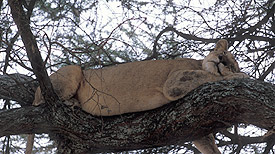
17,87
209,108
22,120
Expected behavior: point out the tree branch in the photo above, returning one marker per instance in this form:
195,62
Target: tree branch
25,120
270,69
17,87
209,108
21,20
183,35
243,34
241,140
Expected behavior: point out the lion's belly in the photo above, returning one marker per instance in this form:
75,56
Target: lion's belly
115,99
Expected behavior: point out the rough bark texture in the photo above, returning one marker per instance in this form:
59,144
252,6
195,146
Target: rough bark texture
18,87
209,108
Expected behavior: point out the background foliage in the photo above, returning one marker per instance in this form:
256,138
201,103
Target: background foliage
96,34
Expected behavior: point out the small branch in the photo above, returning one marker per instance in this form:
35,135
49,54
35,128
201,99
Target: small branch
185,36
240,35
244,140
8,51
269,146
270,69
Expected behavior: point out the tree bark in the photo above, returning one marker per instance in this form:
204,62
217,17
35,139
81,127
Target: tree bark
17,87
209,108
23,25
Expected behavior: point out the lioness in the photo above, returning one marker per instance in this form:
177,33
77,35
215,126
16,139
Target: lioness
140,86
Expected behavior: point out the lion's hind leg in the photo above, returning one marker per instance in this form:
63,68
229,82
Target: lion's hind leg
65,83
206,145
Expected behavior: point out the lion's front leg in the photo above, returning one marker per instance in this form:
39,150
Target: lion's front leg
224,70
232,63
211,66
178,84
210,63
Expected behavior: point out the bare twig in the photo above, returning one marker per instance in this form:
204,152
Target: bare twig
270,69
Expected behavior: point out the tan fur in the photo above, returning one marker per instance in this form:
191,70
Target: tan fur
65,82
207,145
220,61
30,142
131,87
140,86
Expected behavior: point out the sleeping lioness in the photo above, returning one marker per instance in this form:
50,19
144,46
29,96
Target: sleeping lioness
140,86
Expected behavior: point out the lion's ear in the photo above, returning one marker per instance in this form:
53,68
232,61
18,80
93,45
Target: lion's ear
222,45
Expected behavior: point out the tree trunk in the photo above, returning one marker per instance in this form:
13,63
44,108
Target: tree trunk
209,108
